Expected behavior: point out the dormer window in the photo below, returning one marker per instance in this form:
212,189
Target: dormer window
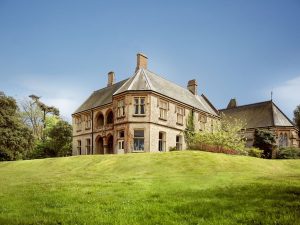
139,105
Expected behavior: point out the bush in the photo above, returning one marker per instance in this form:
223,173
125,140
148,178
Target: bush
172,149
254,152
288,153
265,139
214,148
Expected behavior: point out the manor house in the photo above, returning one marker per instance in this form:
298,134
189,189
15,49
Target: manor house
144,113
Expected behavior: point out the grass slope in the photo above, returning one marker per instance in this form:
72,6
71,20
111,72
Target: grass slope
164,188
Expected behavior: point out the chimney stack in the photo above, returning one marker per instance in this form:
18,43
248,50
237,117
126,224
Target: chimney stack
111,78
232,103
142,61
192,86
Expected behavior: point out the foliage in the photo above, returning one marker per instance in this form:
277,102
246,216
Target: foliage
32,115
228,137
288,153
297,117
265,140
189,132
16,140
184,187
254,152
58,142
172,149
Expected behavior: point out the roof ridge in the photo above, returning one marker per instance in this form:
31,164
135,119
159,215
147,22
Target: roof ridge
169,81
125,80
247,105
147,80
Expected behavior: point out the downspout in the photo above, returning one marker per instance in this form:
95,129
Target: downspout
92,132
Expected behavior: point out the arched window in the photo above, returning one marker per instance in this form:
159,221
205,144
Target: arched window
100,120
110,117
281,140
285,140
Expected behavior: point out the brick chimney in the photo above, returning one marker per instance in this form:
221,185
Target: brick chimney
192,86
232,103
142,61
111,78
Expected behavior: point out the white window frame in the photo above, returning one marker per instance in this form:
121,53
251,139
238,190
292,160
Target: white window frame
121,140
162,141
79,147
179,142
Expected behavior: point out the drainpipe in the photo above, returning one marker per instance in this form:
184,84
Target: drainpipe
92,132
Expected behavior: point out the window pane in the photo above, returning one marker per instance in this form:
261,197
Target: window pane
142,109
136,109
136,101
139,144
121,134
142,101
138,133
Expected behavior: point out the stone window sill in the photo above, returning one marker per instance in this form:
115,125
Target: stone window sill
162,119
180,124
139,115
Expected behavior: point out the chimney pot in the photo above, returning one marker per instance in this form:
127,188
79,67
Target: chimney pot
192,86
111,78
142,61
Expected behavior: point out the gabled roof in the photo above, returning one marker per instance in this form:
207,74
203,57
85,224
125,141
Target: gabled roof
144,80
258,115
100,97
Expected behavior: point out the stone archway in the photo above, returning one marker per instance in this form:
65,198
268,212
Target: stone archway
110,144
99,145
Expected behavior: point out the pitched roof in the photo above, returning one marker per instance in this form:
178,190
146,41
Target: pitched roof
100,97
262,114
144,80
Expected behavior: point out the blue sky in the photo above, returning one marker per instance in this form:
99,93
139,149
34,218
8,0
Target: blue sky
62,50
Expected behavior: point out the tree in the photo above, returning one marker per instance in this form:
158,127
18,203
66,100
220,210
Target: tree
32,115
297,117
58,141
16,139
189,132
265,140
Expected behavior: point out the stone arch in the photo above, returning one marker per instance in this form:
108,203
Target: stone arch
99,145
99,120
109,117
110,144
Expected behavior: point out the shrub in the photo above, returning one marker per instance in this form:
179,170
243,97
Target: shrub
254,152
172,149
288,153
214,148
265,140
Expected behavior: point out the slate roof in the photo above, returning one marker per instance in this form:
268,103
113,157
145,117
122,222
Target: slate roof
100,97
145,80
258,115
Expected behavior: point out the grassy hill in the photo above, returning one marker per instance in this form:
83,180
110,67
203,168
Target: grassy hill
185,187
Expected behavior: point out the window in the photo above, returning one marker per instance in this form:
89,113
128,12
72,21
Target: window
78,123
121,140
79,147
88,146
138,141
88,121
139,106
178,142
163,106
179,111
121,108
161,141
212,126
202,119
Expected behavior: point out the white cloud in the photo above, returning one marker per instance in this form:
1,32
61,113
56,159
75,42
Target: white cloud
288,94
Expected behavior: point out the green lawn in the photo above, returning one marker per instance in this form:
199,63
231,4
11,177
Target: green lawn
185,187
